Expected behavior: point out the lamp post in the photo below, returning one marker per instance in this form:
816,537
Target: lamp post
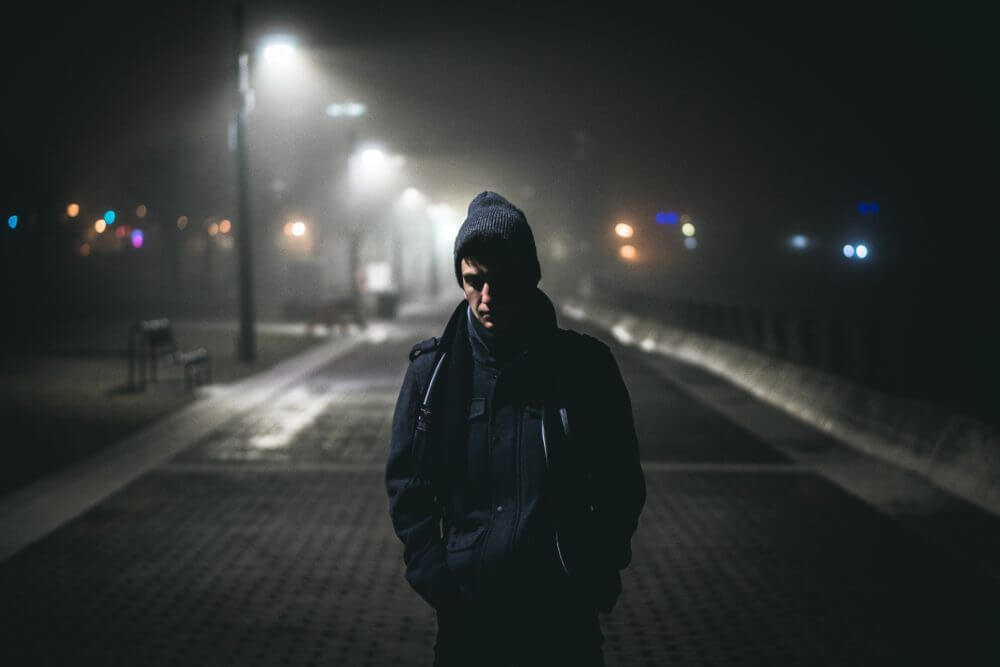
247,346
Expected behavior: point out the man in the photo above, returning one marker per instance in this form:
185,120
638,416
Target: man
513,472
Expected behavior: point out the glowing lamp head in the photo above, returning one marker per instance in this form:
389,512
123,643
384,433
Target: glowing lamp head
624,230
279,52
687,229
628,253
73,210
298,228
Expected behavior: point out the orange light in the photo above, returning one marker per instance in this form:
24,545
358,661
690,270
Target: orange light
140,211
73,210
624,230
225,226
213,229
100,225
85,249
628,252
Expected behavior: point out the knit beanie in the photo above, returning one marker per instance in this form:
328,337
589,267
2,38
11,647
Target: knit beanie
495,223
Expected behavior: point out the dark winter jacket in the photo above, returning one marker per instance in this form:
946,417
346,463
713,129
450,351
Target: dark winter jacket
514,470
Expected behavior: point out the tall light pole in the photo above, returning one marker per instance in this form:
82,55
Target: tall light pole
247,346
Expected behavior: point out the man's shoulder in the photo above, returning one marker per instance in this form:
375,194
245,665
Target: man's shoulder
424,347
576,343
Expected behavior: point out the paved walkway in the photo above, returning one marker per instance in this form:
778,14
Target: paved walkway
260,536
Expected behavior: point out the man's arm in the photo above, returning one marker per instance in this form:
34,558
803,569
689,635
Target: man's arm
415,513
627,494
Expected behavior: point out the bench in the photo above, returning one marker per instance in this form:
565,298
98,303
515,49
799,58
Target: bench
153,341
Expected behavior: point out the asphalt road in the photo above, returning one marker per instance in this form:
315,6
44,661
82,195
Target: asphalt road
267,542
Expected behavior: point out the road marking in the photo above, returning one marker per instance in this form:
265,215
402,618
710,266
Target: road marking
327,466
666,466
291,467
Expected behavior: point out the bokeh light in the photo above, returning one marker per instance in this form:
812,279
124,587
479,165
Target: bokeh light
624,230
298,228
12,221
848,250
100,225
861,251
687,229
225,226
667,218
85,250
137,238
798,241
182,222
140,211
690,243
73,209
351,109
628,252
109,217
213,229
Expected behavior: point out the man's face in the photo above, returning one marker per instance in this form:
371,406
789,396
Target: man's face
497,295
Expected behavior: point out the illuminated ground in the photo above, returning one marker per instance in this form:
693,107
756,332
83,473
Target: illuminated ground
267,542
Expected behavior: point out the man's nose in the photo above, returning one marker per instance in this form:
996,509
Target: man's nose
487,293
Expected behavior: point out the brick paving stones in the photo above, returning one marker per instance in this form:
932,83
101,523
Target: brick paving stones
268,543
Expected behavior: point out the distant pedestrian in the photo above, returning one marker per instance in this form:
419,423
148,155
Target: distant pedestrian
513,472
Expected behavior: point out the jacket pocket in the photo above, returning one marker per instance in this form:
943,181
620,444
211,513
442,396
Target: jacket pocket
477,408
462,541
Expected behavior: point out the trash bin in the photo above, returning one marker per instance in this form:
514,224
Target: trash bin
386,305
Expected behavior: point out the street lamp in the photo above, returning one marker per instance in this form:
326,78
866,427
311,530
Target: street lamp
247,347
279,51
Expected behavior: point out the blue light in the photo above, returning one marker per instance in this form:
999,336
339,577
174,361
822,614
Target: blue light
799,241
669,218
690,243
109,217
12,221
848,251
867,208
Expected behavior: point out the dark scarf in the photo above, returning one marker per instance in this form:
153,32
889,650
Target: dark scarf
453,393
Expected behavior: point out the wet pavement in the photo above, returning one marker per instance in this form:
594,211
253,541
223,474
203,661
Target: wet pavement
267,542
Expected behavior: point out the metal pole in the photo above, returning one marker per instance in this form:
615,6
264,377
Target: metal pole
247,344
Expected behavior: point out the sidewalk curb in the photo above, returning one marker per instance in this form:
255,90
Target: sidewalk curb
954,452
30,513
